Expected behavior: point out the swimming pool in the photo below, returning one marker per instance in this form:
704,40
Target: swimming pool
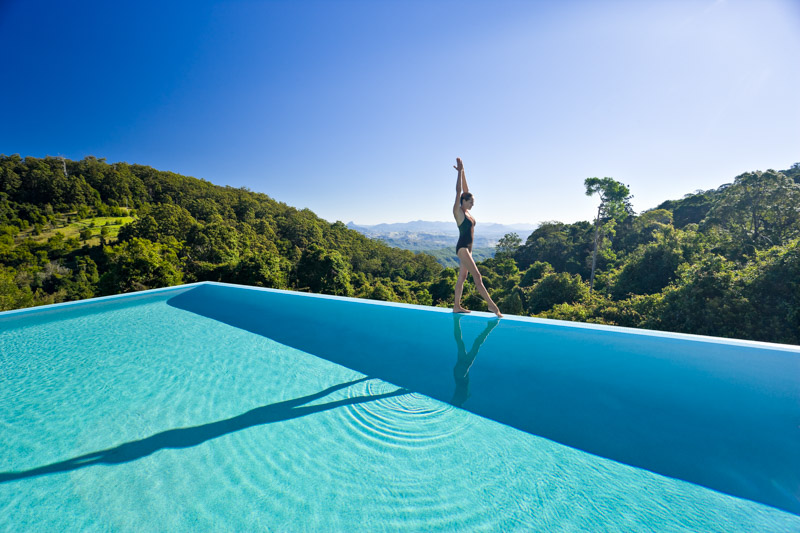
221,407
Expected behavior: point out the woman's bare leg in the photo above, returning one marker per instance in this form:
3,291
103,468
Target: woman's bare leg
465,257
462,276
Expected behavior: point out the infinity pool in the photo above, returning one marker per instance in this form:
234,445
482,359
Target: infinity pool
228,408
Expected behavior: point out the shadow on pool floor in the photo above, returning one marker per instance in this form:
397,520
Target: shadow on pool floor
195,435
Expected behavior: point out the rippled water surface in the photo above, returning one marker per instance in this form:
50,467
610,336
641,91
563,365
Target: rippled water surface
146,414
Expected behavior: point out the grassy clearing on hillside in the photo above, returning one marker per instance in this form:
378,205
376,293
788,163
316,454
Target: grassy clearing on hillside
74,228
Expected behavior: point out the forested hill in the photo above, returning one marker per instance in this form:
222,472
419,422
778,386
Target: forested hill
724,262
76,229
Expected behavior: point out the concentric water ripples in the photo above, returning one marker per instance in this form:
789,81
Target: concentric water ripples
407,420
367,453
380,459
425,485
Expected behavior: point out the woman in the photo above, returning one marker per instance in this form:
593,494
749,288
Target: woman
466,230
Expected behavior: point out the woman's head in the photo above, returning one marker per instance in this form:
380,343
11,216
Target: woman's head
467,200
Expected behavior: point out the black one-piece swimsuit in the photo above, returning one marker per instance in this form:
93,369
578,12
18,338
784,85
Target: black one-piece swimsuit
464,235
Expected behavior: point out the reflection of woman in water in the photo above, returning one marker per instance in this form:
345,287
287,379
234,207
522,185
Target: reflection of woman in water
465,360
466,231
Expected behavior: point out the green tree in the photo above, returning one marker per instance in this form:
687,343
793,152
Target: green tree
793,172
534,273
324,271
260,270
642,229
83,282
140,264
614,204
508,245
556,289
301,228
12,296
172,220
512,303
564,246
759,209
382,292
443,289
650,267
707,300
772,287
423,296
10,181
217,242
691,209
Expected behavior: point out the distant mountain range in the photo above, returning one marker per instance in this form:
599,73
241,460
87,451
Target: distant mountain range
447,228
423,234
439,237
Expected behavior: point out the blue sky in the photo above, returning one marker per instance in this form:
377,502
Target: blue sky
357,109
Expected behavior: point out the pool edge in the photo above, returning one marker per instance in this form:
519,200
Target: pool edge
559,324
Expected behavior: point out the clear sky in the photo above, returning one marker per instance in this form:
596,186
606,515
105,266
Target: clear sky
357,109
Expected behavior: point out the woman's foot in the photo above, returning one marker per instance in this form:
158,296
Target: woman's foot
459,309
496,311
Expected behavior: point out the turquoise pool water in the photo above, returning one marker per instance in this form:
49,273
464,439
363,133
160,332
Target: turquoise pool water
214,407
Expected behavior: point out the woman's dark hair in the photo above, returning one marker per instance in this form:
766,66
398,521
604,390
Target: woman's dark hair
466,196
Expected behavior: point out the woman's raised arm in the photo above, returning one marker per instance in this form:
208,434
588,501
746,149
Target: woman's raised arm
462,176
457,212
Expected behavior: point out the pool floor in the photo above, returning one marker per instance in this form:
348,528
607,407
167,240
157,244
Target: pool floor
135,415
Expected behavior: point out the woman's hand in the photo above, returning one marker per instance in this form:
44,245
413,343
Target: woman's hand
459,165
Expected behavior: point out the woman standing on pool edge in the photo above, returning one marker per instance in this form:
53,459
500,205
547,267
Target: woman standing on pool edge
466,230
